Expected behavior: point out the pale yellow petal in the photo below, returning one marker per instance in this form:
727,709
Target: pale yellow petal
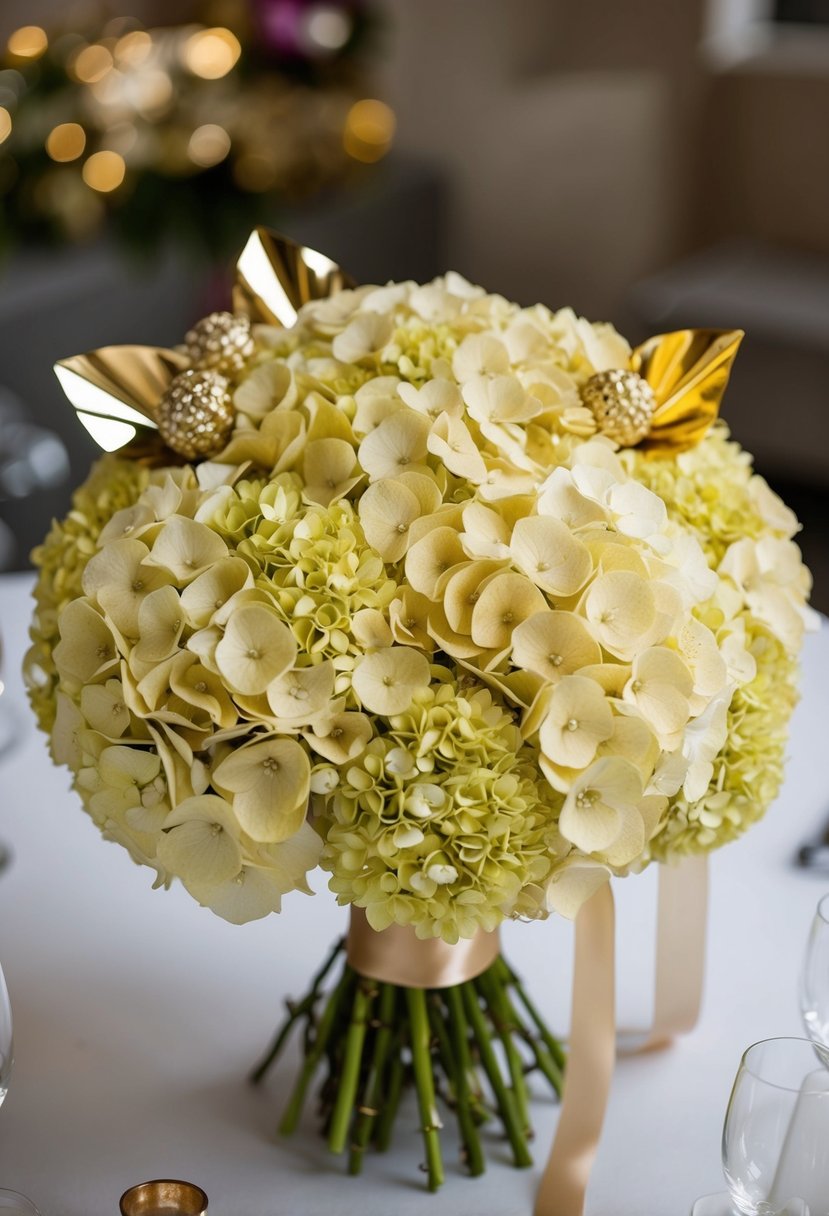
621,610
550,555
430,559
387,510
387,680
341,737
436,397
450,440
554,644
270,784
87,649
572,884
256,648
396,445
186,548
506,601
578,719
200,842
208,593
299,695
365,335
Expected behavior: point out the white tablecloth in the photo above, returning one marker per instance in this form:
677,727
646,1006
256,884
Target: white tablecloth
138,1014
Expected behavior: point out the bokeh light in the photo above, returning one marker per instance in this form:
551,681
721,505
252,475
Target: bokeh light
133,49
5,124
104,171
369,130
29,42
66,141
211,53
208,145
328,28
92,63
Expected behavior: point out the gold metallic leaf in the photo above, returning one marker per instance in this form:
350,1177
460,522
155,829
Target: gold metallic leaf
115,390
688,372
275,277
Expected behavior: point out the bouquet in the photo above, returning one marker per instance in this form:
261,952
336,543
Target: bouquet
470,605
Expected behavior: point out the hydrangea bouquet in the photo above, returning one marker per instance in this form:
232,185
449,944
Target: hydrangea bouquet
468,604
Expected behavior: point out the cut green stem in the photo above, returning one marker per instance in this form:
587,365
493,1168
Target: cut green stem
552,1044
375,1097
463,1068
393,1086
373,1038
491,990
424,1084
349,1079
294,1108
503,1095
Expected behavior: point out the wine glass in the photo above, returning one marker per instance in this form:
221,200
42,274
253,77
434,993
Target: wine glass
775,1145
814,978
8,738
8,723
6,1044
12,1203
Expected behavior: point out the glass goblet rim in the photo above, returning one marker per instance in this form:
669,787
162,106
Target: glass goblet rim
26,1205
747,1065
823,909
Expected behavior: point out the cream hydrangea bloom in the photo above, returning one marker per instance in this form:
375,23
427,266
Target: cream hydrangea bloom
419,622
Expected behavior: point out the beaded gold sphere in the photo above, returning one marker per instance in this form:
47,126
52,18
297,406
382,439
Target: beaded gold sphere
195,415
622,402
222,342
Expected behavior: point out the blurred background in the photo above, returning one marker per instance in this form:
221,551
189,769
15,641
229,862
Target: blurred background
657,163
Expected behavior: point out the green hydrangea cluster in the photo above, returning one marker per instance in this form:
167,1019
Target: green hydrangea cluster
314,562
441,822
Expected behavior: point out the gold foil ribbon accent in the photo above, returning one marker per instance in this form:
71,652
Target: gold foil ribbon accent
398,956
116,390
275,277
688,371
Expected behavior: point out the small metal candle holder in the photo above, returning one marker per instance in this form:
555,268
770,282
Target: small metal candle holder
164,1197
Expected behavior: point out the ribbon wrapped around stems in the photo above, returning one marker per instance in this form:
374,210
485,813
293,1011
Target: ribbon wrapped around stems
397,956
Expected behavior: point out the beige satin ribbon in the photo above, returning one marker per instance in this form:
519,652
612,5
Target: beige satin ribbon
681,931
590,1059
398,956
680,963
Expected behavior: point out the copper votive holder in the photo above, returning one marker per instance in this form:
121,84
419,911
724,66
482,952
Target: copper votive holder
164,1197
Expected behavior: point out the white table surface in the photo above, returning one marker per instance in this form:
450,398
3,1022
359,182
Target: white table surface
137,1014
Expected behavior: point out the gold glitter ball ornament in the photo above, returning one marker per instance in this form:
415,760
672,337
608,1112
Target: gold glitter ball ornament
221,342
195,415
622,402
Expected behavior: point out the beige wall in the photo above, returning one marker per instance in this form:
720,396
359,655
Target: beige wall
566,132
770,169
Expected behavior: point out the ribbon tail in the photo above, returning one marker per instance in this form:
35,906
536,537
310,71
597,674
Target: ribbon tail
680,949
681,934
590,1062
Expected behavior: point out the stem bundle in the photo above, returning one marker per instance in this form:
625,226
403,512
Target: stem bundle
378,1037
